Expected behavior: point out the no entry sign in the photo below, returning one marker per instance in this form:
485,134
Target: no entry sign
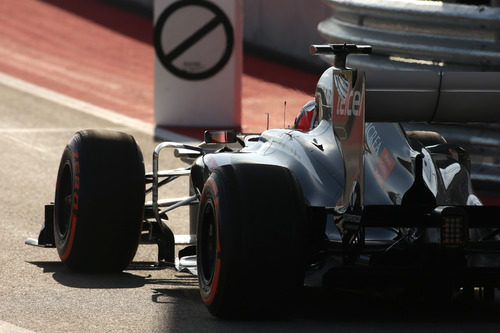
197,52
198,63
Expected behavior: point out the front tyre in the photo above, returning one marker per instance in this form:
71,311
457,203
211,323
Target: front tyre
250,242
99,201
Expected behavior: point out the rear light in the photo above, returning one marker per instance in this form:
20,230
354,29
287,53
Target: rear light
454,231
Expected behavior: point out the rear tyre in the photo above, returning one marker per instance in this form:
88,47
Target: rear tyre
99,201
250,242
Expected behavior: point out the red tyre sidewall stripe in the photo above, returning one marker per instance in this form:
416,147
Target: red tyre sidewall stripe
75,204
215,283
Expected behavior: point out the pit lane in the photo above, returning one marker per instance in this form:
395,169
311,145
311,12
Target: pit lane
38,293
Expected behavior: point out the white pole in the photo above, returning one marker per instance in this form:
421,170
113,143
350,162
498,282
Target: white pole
198,63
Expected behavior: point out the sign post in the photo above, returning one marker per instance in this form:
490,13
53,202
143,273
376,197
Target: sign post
198,63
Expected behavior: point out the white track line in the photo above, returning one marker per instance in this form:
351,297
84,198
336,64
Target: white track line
91,109
9,328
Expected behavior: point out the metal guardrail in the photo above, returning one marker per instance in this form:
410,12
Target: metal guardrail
415,34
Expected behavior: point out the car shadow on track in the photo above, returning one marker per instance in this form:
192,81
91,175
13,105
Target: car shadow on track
393,306
319,307
126,279
68,278
322,310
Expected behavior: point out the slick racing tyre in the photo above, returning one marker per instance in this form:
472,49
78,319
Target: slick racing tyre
250,242
99,201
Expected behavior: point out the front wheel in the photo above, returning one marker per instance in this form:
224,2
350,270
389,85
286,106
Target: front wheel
99,201
250,241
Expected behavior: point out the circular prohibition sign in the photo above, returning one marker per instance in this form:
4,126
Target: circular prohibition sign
168,59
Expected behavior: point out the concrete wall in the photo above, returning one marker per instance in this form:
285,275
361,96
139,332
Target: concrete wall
285,27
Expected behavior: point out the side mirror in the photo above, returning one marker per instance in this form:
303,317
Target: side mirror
223,136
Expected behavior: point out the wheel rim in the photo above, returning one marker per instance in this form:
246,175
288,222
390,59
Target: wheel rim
64,201
208,244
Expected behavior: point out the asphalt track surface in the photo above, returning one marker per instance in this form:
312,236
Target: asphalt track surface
37,292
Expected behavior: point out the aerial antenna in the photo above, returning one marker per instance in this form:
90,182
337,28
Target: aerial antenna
284,114
267,114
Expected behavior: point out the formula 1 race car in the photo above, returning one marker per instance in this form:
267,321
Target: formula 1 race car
346,196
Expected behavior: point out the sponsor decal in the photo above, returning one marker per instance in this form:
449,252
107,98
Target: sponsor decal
349,127
350,106
373,139
348,100
384,167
